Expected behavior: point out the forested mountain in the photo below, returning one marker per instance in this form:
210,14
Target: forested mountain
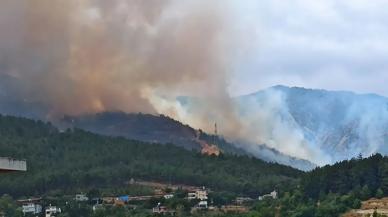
338,124
79,159
331,125
369,176
147,128
163,129
332,190
76,159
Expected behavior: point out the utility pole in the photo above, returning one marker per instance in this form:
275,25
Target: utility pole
215,134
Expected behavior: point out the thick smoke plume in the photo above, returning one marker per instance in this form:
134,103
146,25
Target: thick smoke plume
85,56
89,56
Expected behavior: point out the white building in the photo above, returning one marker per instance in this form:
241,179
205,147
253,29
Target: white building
197,195
51,211
201,194
31,208
273,195
168,196
191,196
202,205
81,197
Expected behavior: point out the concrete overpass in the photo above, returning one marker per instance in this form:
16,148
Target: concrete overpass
9,165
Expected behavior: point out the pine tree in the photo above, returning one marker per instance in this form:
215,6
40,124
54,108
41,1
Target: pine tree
379,193
365,192
384,177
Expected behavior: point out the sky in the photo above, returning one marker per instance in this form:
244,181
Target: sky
326,44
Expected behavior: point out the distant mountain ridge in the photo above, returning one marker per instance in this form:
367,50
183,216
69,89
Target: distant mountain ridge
341,124
181,137
333,125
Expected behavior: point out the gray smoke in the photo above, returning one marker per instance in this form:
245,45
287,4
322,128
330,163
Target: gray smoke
85,56
89,56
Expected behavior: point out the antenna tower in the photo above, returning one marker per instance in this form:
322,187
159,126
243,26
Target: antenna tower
215,133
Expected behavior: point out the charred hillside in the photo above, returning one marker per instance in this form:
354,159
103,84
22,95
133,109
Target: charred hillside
162,129
159,129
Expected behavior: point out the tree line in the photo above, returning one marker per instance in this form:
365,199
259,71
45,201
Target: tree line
76,159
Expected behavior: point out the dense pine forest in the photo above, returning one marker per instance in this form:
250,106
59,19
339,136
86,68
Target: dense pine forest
333,189
368,176
76,159
65,162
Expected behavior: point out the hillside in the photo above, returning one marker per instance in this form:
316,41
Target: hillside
146,127
368,175
338,124
76,159
369,207
335,190
80,159
162,129
331,125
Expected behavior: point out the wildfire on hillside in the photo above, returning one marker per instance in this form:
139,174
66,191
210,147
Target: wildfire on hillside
210,150
207,149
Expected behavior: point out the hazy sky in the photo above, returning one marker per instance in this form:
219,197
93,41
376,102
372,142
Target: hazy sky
331,44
